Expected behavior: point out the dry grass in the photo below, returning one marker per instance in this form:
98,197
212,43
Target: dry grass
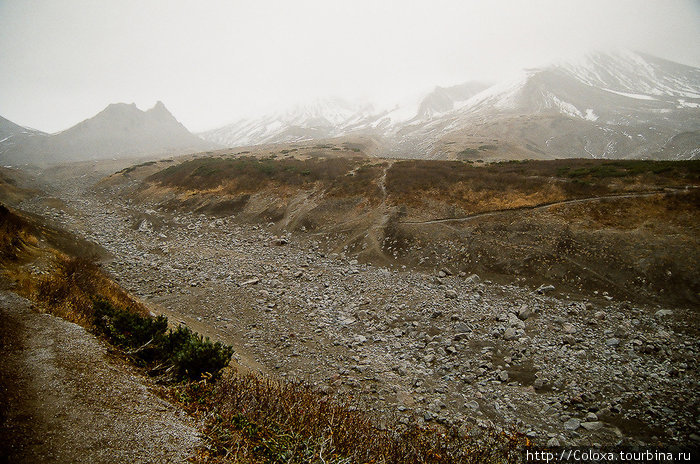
70,285
255,420
338,176
70,291
461,188
15,236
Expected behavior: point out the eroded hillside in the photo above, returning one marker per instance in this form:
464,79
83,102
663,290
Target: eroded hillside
626,228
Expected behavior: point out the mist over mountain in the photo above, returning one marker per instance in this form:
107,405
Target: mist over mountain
603,105
120,130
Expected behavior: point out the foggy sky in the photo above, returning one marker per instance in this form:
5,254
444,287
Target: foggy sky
212,62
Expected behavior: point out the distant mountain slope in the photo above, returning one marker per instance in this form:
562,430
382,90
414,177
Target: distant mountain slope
445,99
12,134
319,119
334,117
10,129
603,105
619,105
117,131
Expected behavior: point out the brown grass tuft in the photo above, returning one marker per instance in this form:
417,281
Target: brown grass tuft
251,419
70,290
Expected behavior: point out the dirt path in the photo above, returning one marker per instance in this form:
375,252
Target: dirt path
616,196
64,400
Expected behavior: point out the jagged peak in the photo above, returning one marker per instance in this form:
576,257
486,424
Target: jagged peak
159,107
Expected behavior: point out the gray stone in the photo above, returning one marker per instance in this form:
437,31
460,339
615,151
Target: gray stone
553,442
524,313
592,426
462,328
472,279
568,328
451,294
612,341
472,405
510,334
572,424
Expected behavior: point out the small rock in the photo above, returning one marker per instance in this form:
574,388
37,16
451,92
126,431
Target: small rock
462,328
252,281
524,313
451,294
472,405
592,426
612,341
553,442
568,328
572,424
472,279
510,334
663,312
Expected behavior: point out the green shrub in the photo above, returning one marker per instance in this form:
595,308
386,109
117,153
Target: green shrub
194,355
127,329
188,353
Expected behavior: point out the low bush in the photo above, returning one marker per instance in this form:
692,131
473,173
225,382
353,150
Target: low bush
147,339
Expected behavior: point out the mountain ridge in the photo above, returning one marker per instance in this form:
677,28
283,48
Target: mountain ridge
119,130
619,104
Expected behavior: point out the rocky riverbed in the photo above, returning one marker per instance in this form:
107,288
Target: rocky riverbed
440,347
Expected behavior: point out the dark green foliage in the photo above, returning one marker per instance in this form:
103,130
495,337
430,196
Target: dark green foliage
127,329
189,354
193,355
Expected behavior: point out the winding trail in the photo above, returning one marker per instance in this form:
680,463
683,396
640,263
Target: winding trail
549,205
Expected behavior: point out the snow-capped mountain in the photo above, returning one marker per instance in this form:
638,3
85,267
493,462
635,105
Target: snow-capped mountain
319,119
117,131
334,117
605,105
614,105
446,99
